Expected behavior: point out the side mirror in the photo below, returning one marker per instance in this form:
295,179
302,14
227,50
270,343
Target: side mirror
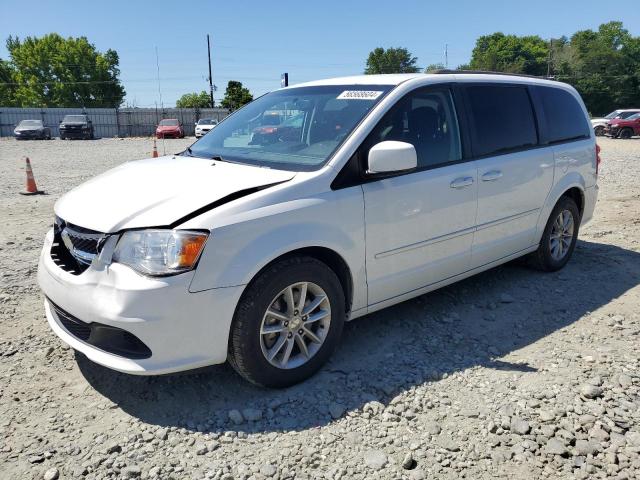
392,156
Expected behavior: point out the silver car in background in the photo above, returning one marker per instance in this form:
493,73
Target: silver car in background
30,129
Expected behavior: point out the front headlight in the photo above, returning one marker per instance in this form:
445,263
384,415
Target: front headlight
160,252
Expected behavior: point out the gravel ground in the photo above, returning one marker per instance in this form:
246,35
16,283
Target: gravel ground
510,374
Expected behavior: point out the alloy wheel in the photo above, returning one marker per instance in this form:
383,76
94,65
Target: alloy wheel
295,325
561,235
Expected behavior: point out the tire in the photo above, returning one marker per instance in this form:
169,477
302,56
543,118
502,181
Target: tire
248,347
599,131
546,258
626,133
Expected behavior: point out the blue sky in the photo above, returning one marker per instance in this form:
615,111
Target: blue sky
255,42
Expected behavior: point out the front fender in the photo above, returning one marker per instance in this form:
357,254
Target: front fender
236,252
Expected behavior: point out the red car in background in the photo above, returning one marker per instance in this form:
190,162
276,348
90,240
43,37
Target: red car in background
170,128
624,128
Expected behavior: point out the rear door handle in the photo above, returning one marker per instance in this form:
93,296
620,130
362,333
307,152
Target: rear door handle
461,182
491,175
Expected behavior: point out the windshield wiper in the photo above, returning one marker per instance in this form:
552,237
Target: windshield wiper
188,152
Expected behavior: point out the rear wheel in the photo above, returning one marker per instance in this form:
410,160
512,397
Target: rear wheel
287,323
559,237
626,133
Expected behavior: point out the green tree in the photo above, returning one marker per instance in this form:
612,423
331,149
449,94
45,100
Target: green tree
194,100
391,60
6,84
604,66
509,53
235,95
53,71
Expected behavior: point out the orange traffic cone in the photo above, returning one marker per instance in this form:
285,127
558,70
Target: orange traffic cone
31,188
155,149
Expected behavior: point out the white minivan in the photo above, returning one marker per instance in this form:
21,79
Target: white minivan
384,188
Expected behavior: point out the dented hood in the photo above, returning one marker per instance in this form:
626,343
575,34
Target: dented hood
159,192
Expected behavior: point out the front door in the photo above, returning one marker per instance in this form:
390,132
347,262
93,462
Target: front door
419,225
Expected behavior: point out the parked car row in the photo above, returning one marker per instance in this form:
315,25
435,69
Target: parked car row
618,124
81,127
71,126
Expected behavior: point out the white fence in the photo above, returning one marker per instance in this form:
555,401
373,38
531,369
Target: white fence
109,122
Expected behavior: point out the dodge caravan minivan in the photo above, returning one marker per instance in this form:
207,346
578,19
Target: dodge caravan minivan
385,187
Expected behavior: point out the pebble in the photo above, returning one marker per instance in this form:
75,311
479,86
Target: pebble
251,414
520,426
132,471
555,447
585,447
590,391
336,410
375,459
268,470
51,474
506,298
236,417
624,380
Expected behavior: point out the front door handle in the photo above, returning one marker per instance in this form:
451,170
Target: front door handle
461,182
491,176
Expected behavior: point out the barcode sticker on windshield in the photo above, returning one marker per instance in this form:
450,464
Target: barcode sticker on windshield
359,95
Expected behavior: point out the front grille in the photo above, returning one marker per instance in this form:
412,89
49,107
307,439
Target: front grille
74,248
104,337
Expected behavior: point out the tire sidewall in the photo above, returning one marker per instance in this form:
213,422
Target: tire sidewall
245,339
564,203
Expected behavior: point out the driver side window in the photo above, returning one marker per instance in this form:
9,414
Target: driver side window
426,119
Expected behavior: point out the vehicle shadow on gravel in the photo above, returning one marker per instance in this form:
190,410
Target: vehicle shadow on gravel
469,324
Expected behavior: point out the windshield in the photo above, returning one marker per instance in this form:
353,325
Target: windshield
30,123
206,121
74,119
627,114
292,129
169,122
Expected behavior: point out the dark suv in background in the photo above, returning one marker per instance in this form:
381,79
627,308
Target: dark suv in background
76,126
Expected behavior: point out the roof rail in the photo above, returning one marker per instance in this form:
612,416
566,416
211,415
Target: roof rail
487,72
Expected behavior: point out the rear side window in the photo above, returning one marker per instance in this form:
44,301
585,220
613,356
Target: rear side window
502,118
565,118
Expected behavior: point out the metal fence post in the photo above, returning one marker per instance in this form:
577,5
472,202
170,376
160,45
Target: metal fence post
117,122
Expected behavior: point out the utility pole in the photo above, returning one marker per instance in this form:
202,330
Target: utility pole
158,71
549,58
210,77
446,55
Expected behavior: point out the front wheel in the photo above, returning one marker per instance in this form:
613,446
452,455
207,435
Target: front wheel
599,131
626,133
559,237
287,323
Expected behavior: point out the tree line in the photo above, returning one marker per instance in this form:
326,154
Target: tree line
603,65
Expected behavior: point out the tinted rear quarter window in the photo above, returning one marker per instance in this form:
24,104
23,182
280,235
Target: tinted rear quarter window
565,118
502,118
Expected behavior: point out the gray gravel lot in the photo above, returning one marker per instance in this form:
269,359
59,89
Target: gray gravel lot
510,374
